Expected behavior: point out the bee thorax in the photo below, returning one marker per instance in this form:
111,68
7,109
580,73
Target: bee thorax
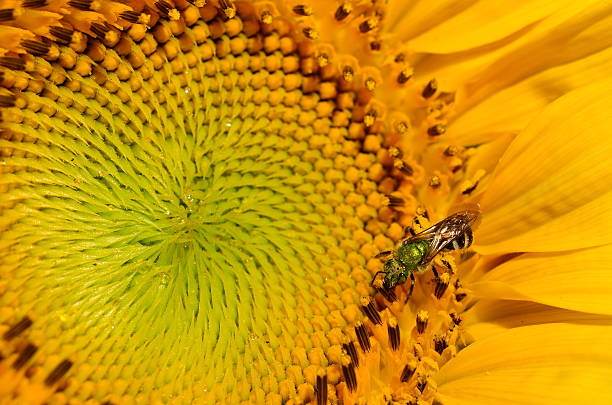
411,254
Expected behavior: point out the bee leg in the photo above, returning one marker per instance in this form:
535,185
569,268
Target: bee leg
383,254
412,281
374,278
409,230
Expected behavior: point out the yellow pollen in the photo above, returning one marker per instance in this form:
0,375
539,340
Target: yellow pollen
174,15
369,118
370,84
368,24
323,60
441,285
404,76
310,33
266,17
436,130
228,8
302,10
343,11
403,167
468,186
451,150
347,74
401,127
348,370
394,151
434,182
422,319
408,371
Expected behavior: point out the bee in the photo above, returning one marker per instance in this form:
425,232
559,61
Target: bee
415,253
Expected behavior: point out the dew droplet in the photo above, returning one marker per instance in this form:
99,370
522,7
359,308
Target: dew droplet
163,279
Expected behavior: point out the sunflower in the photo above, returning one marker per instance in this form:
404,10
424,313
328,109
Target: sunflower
193,195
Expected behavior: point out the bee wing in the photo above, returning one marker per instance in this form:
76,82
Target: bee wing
438,243
444,232
428,235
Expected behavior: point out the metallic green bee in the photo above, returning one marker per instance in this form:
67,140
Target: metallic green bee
415,253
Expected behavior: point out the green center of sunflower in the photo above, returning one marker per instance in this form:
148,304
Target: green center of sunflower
183,219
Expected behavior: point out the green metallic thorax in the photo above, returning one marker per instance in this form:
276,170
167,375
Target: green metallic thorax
411,255
408,259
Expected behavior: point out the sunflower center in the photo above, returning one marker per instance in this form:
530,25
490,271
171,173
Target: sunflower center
187,205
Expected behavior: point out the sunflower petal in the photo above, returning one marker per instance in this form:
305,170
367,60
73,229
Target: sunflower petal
543,364
578,280
417,17
487,120
488,22
567,36
492,316
570,34
550,191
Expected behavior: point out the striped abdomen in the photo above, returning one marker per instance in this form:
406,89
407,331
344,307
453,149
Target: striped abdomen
462,241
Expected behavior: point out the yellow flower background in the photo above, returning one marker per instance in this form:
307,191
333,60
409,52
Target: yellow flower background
192,196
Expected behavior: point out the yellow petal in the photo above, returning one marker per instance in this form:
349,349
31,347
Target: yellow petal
482,23
414,18
485,159
578,280
550,191
527,98
540,364
492,316
562,40
570,34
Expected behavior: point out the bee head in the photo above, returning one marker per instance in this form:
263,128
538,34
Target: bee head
392,280
394,273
